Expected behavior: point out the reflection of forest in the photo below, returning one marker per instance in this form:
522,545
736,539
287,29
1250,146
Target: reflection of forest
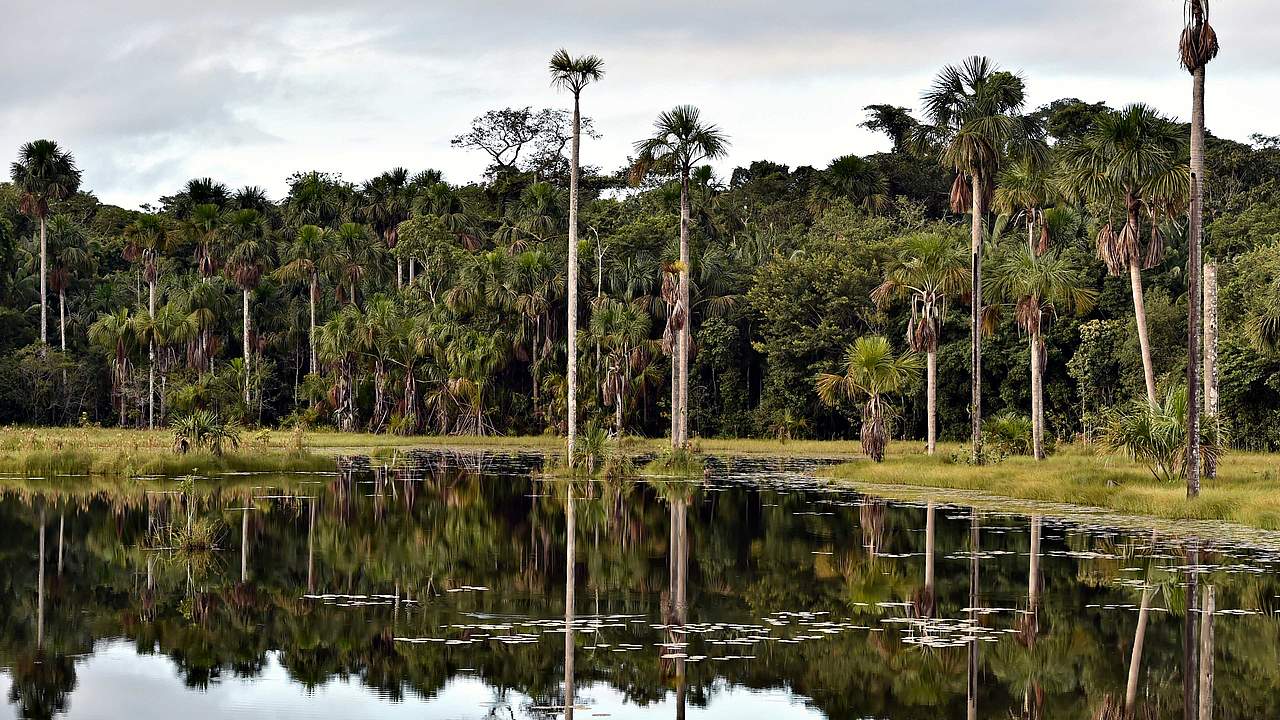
672,553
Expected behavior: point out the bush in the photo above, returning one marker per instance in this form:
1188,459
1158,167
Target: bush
204,430
1007,433
1157,437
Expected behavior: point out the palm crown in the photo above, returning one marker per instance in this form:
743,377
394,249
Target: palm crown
574,74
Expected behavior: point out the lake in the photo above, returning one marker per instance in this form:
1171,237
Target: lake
470,585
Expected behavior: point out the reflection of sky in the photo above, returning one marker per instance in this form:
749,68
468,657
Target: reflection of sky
116,682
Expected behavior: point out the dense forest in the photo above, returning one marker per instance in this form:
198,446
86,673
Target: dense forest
407,303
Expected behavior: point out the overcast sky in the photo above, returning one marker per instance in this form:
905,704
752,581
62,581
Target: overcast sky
149,93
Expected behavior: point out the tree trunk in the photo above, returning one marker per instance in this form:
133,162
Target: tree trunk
312,334
244,546
245,295
1135,658
971,693
1033,571
399,272
570,576
62,320
975,320
1144,342
1037,396
412,271
44,286
40,588
686,334
1211,355
1195,231
573,294
675,394
931,394
151,357
1206,654
1190,641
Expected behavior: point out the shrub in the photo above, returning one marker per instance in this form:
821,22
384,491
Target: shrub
205,430
1157,436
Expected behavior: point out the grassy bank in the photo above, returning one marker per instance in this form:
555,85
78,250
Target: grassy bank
1247,490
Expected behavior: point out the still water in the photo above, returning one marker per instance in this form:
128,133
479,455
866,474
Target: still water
469,586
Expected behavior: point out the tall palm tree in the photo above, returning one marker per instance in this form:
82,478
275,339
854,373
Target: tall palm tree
974,123
203,227
44,173
574,74
70,255
1132,159
115,334
680,141
146,240
871,371
385,203
1037,286
310,255
249,258
1197,46
927,269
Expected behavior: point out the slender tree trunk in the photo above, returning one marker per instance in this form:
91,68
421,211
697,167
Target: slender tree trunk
62,520
971,693
1211,355
1135,658
44,286
1190,641
244,546
245,295
1194,293
686,334
1033,573
151,357
1206,653
412,271
1037,395
573,291
40,588
570,576
675,394
62,319
311,303
1144,341
931,394
399,272
975,320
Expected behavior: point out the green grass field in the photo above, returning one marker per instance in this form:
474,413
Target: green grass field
1247,490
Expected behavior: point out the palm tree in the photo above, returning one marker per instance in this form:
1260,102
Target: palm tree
871,371
894,121
972,110
248,259
1197,46
355,257
1025,187
574,74
680,141
203,226
622,331
928,268
305,259
146,240
385,203
70,255
850,177
1132,158
1037,286
115,334
44,173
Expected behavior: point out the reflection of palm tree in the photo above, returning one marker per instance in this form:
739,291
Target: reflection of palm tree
971,695
570,577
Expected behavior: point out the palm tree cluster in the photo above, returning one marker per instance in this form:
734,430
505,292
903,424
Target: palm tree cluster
409,304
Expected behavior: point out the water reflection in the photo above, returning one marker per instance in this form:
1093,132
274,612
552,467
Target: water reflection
434,587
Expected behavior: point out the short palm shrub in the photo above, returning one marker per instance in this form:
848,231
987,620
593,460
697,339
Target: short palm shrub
1157,436
204,430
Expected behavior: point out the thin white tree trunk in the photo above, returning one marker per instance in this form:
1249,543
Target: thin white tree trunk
1135,658
244,546
245,295
930,532
1211,354
573,290
44,287
686,334
931,393
1194,292
151,357
62,320
1033,574
975,320
1037,397
1144,341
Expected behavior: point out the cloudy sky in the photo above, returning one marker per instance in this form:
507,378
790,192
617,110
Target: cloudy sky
149,93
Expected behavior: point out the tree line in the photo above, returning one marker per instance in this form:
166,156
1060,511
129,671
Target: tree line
713,306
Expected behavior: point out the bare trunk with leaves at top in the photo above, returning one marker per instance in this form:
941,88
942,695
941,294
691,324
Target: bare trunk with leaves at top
572,375
1211,356
44,285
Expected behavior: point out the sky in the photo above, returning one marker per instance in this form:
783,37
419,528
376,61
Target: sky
150,93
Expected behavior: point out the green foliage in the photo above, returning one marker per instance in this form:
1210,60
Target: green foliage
204,430
1007,433
1157,436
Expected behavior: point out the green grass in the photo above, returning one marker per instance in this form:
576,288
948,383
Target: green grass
1247,490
